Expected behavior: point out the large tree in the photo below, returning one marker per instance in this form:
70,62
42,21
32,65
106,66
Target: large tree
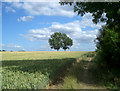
111,9
108,40
59,40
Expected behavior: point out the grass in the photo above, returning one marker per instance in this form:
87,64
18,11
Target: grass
34,70
90,75
37,70
80,77
40,55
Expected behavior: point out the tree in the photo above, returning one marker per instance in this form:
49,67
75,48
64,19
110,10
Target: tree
11,51
66,42
111,9
59,40
108,40
4,50
55,41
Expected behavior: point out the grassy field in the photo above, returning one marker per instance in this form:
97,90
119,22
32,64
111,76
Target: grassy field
34,70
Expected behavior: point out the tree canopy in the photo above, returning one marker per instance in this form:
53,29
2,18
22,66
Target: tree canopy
108,39
55,41
59,40
99,10
66,41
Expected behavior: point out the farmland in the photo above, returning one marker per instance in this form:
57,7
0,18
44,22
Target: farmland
34,70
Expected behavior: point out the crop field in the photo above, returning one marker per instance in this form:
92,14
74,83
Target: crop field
34,70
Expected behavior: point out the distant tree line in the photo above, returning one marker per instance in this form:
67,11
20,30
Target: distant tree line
2,50
12,51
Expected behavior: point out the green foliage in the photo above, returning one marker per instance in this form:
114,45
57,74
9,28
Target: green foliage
59,40
76,78
108,40
33,70
55,40
89,54
112,10
108,43
99,70
13,79
3,50
66,41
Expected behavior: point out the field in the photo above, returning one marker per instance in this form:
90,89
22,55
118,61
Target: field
34,70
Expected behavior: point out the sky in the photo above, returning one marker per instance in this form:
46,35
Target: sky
28,26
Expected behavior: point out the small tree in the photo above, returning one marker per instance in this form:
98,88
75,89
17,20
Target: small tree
11,51
59,40
4,50
55,41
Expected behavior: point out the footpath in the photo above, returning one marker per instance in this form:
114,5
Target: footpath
85,81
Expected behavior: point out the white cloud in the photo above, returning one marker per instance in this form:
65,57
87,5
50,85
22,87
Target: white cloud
17,5
83,47
25,18
87,21
46,8
9,9
72,29
13,47
37,34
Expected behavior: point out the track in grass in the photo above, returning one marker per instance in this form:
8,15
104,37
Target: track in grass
79,77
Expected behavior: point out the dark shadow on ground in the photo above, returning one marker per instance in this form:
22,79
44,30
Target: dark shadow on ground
49,66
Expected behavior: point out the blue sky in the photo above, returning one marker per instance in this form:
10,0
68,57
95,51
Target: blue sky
28,26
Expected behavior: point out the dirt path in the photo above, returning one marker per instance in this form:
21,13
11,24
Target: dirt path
88,82
85,81
85,73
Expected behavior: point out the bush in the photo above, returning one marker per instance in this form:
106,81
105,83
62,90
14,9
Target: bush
108,47
102,75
